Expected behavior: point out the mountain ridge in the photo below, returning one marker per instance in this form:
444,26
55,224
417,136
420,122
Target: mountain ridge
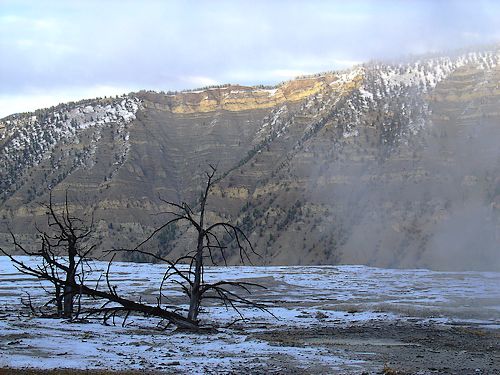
341,167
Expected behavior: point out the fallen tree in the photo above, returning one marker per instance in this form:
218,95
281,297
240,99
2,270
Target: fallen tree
65,260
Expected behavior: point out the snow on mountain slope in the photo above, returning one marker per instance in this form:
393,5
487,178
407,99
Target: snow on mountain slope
27,139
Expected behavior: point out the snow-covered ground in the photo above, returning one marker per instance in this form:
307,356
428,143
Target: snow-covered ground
299,296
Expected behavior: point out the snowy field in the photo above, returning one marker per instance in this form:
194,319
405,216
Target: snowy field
323,297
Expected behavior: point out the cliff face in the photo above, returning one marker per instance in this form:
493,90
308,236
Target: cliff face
384,164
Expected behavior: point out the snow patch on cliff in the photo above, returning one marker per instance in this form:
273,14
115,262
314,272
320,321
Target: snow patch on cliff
28,139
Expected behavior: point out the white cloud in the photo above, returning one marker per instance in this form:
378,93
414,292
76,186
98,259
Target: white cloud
24,43
287,73
174,45
199,81
36,24
9,19
35,99
45,24
345,63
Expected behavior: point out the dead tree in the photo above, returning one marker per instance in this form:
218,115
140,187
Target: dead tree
64,250
106,296
63,257
70,233
208,240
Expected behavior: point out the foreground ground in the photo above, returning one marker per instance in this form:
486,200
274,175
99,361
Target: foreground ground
346,319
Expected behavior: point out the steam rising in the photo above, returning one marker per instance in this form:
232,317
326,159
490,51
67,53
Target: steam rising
433,200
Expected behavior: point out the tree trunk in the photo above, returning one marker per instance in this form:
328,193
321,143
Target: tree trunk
195,300
69,290
68,301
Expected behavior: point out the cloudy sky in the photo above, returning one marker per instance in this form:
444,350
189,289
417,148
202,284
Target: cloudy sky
55,51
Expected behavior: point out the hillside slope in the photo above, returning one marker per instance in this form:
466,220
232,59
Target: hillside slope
385,164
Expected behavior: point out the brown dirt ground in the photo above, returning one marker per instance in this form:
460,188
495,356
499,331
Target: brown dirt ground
404,347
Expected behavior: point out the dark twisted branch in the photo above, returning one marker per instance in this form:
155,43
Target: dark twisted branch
191,281
111,296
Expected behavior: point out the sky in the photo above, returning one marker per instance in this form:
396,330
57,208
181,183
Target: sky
56,51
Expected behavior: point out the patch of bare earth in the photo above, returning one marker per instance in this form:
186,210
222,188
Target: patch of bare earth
402,347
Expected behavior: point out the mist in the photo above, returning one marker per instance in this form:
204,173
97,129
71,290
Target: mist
430,200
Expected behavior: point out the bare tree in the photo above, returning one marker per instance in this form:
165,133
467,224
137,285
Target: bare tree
65,249
208,241
65,246
63,254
